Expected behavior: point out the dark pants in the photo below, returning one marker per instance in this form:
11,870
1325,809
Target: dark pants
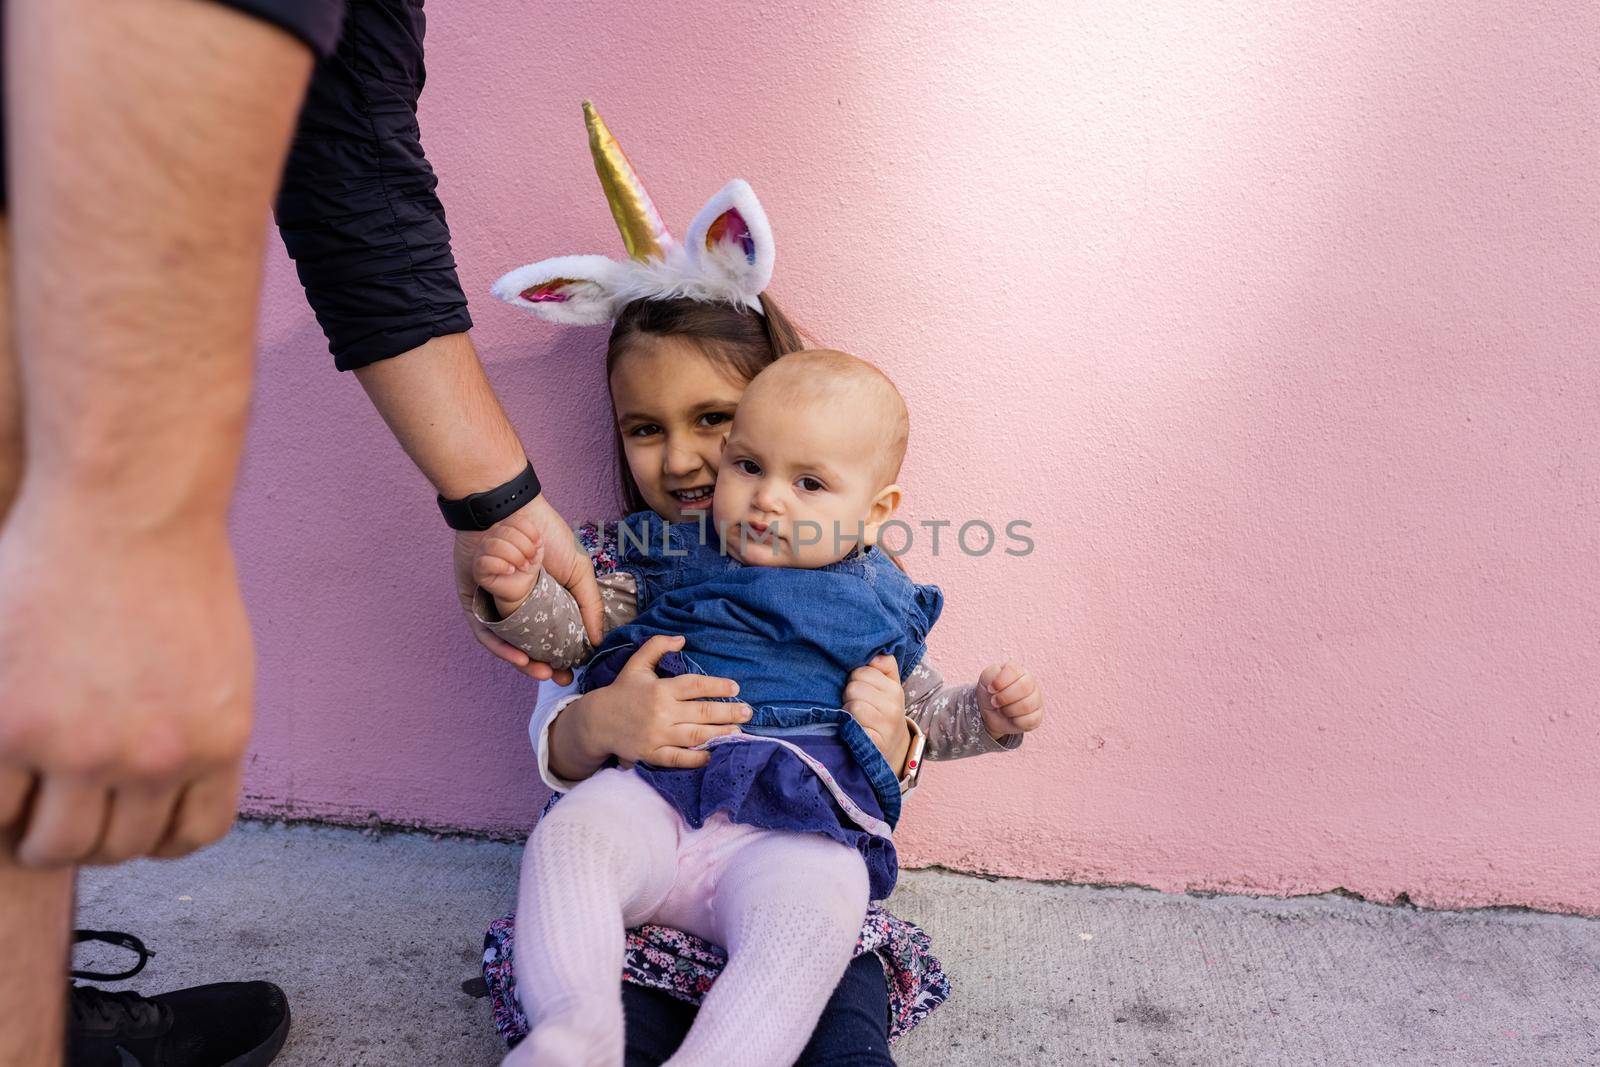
853,1030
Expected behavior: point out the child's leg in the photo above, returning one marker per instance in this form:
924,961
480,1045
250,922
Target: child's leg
788,908
600,861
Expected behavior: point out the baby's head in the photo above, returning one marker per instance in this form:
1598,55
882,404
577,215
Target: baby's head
808,470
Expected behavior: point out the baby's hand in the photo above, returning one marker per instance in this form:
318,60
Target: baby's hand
507,563
1010,699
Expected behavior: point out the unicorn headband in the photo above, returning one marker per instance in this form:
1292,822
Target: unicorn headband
726,258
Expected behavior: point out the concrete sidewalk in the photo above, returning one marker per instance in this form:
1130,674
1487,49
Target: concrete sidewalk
373,935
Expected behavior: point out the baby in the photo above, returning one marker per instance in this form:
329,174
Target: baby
775,846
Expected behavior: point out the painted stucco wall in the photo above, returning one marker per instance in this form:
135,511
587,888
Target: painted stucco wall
1278,322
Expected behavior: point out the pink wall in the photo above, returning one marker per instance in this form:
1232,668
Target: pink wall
1280,328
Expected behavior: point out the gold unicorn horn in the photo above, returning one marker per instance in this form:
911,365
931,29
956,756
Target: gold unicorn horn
643,232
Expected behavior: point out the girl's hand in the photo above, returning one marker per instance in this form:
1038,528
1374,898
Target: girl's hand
1010,699
642,717
507,562
875,698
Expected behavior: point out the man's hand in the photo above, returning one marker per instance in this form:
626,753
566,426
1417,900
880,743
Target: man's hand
126,669
875,698
1010,699
566,562
641,716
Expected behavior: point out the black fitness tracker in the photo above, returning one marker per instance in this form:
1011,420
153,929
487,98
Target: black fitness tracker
482,510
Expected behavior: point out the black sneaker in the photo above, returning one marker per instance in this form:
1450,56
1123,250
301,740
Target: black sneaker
229,1024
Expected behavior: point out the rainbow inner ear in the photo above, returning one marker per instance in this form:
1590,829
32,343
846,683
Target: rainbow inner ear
731,228
550,292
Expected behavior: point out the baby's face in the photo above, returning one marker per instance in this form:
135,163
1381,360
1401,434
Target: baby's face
800,483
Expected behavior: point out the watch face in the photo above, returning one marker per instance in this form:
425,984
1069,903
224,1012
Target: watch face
919,741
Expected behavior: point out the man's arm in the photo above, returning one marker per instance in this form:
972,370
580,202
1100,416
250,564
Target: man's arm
443,411
360,216
146,139
439,405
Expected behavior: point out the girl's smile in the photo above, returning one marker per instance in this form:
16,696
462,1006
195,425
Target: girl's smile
696,499
674,406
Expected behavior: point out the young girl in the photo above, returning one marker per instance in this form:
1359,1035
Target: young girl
773,847
677,369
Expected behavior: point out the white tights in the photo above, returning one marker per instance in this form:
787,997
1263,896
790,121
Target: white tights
614,854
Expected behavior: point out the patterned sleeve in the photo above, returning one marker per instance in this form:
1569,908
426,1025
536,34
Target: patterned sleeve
949,716
548,626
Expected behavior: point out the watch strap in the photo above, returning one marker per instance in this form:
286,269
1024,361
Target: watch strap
479,511
913,767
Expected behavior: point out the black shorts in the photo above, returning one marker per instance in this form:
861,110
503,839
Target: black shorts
357,208
316,22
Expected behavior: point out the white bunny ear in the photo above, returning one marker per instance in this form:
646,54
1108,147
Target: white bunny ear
730,242
571,290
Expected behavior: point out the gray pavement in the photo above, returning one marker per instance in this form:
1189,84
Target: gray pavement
372,936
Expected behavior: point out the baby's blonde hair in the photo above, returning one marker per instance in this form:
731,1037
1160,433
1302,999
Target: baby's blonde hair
825,375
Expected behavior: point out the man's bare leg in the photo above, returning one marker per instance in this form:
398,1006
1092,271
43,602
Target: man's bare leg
35,906
34,921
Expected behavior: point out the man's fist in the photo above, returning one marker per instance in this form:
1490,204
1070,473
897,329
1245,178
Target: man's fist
130,720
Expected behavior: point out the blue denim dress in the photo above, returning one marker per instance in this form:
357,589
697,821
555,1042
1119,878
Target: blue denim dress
790,637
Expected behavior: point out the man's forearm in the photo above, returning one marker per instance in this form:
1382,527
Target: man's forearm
147,138
441,408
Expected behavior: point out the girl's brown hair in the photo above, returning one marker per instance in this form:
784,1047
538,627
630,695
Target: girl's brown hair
738,339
